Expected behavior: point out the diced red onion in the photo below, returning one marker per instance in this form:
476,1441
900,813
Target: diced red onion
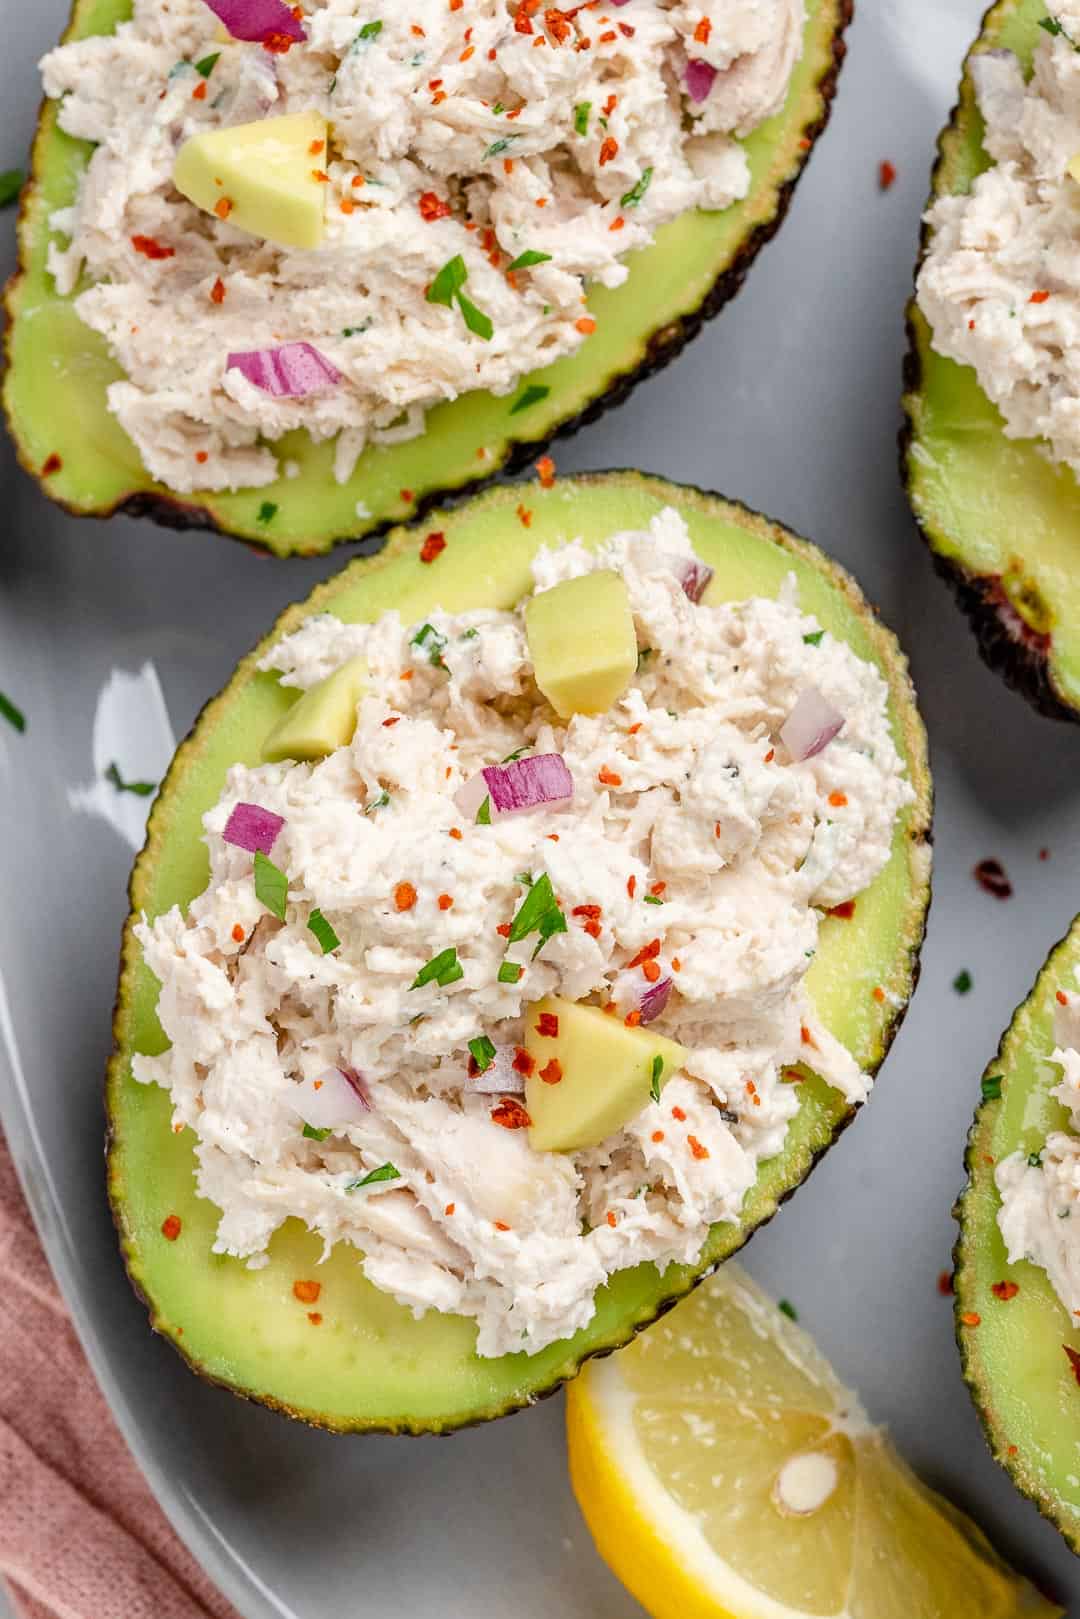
253,828
632,991
334,1099
699,79
694,577
257,19
500,1077
811,725
518,787
292,371
654,1000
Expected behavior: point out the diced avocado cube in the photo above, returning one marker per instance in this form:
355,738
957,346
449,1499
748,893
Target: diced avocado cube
322,720
260,176
582,642
602,1075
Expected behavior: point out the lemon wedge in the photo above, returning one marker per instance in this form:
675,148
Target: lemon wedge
726,1473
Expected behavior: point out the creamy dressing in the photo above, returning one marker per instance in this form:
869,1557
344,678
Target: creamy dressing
1000,286
707,814
575,151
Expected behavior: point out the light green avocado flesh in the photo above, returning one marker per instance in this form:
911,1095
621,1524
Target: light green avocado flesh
369,1364
1014,1362
54,390
993,506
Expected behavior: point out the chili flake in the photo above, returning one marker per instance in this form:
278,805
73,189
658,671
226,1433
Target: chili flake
945,1284
552,1072
404,897
511,1114
170,1227
548,1025
546,469
992,879
51,464
971,1318
696,1147
307,1292
151,248
1005,1290
886,174
433,546
1074,1361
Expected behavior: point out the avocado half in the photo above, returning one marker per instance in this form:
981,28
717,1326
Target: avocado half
84,460
1002,522
368,1364
1013,1355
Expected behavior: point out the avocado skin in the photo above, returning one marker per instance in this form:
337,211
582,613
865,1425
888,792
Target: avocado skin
1012,1450
663,346
918,843
1005,643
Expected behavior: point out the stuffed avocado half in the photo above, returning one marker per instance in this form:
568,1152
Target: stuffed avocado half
1019,1348
1000,517
85,460
353,1358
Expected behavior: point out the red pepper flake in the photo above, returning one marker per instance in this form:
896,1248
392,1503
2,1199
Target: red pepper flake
320,175
608,777
651,970
315,1318
202,456
991,878
886,174
845,910
503,929
455,832
611,1220
770,756
432,206
1061,998
278,44
548,1026
433,546
525,516
307,1292
199,92
404,897
1038,297
632,1019
170,1227
552,1072
407,496
631,886
523,1063
445,902
510,1114
677,1113
393,720
606,38
806,1037
1012,1450
587,910
634,729
1074,1360
223,207
217,292
1005,1290
500,1225
971,1318
592,928
657,1135
648,952
878,994
945,1284
610,1008
1044,854
676,965
51,464
610,104
702,31
585,325
696,1147
545,468
151,248
610,146
238,933
316,147
449,1209
838,800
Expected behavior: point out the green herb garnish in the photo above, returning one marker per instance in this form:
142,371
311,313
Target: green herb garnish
206,66
962,982
483,814
532,396
271,885
470,634
631,198
443,969
13,715
483,1052
141,789
1035,1160
657,1072
324,933
538,912
370,30
509,972
428,637
355,331
814,639
581,117
497,148
385,1172
652,899
475,319
447,286
267,511
378,803
1051,25
991,1088
509,759
10,185
526,260
316,1135
786,1307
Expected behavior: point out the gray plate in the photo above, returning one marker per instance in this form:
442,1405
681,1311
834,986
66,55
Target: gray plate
790,403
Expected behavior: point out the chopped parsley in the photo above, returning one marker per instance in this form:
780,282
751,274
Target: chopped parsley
141,789
370,30
1051,25
525,878
483,1052
657,1075
475,319
786,1307
267,511
271,885
469,634
428,637
497,148
962,982
652,899
378,803
483,814
206,66
10,185
385,1172
316,1135
324,933
581,117
1035,1160
526,260
991,1088
443,969
509,972
631,198
532,396
13,715
355,331
447,286
509,759
814,639
538,913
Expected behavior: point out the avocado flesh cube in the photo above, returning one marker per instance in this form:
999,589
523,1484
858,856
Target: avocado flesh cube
607,1074
266,171
695,265
999,517
582,643
370,1366
1014,1361
322,720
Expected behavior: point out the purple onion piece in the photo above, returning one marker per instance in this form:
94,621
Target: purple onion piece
811,725
655,998
290,372
518,787
500,1078
253,828
694,577
257,20
330,1101
699,79
356,1082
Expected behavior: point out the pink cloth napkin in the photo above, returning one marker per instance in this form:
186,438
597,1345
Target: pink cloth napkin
81,1536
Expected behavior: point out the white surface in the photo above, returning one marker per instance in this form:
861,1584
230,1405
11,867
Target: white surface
789,402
